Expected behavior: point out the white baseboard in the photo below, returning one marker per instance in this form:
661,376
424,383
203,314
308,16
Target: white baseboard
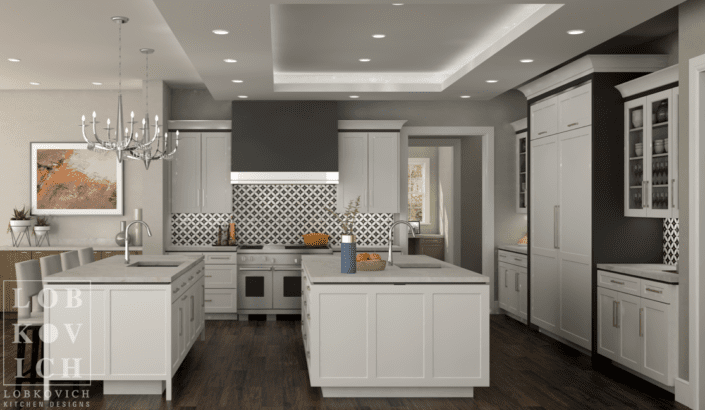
684,395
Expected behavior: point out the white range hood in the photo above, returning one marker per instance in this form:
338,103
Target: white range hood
283,177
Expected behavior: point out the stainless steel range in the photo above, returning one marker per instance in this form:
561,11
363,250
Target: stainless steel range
269,278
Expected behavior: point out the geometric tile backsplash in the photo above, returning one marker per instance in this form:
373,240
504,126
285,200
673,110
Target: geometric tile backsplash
670,241
278,214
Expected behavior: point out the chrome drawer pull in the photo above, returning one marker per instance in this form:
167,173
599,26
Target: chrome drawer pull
176,290
614,321
575,123
184,298
641,332
220,257
542,132
654,290
617,314
209,300
191,278
518,260
619,283
673,192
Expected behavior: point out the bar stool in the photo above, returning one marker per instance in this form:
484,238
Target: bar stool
30,317
85,256
69,260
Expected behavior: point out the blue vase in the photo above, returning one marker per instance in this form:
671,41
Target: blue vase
348,254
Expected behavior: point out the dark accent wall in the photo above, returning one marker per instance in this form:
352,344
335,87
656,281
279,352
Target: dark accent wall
471,206
284,136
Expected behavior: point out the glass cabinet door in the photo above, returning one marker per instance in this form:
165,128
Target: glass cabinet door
659,124
635,164
521,169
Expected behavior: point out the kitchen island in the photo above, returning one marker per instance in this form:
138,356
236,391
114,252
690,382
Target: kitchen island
417,331
129,325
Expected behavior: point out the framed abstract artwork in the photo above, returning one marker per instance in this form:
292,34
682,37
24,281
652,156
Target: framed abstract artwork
68,179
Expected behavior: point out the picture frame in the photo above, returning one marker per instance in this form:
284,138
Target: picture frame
68,179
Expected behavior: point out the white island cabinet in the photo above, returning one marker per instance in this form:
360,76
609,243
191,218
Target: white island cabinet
401,332
128,325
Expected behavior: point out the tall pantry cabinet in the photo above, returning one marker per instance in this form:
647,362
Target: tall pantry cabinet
575,181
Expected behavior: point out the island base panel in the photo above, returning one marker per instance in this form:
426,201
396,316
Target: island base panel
397,391
116,387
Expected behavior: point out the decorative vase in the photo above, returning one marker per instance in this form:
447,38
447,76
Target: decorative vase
662,112
348,254
637,118
137,236
19,226
40,234
120,237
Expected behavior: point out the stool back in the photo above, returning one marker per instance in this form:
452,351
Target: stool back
85,256
69,260
29,284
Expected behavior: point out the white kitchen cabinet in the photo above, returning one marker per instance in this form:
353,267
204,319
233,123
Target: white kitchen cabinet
575,108
544,118
522,180
369,168
220,283
637,331
513,284
200,173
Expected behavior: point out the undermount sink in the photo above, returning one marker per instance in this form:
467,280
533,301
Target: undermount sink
155,264
670,269
417,265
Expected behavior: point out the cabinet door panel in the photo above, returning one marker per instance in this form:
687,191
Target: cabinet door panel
186,174
659,179
575,191
673,155
512,292
545,292
630,341
635,167
544,118
576,303
176,323
215,179
655,331
352,160
383,172
607,330
575,108
544,195
523,295
503,287
221,276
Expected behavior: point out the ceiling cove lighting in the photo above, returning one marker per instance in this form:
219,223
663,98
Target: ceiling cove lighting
97,83
127,143
237,81
33,83
365,60
464,96
220,32
526,60
241,96
491,81
575,32
379,36
354,96
13,60
230,60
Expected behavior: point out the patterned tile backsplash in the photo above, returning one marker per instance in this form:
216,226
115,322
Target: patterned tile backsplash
278,214
670,241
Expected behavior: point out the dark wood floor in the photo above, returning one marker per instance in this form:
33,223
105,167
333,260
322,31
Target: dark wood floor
261,365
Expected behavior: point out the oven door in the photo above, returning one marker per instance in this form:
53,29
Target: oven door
287,288
254,286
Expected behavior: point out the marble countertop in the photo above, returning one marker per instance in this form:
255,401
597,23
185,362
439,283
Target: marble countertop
395,248
209,248
523,249
326,269
653,271
114,270
113,248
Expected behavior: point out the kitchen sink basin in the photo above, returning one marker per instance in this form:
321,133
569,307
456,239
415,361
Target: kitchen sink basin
418,265
155,264
670,269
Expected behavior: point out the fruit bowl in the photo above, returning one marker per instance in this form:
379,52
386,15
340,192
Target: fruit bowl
371,265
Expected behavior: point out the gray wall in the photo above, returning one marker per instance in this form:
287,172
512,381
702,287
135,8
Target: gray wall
416,150
446,203
691,26
198,104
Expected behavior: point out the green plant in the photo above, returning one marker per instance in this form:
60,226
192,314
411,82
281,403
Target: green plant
347,218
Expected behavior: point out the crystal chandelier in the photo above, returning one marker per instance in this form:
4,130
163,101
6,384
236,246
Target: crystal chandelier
128,143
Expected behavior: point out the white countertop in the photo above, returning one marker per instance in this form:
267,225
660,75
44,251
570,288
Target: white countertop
653,271
427,235
326,269
114,270
209,248
395,248
523,249
113,248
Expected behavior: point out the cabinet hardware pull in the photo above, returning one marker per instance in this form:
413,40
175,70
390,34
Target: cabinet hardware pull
209,276
193,307
176,290
654,290
647,193
308,316
517,259
505,278
220,257
643,194
570,125
619,283
617,314
191,278
673,193
203,197
641,331
302,293
181,322
542,132
308,288
184,298
209,300
516,281
198,200
556,222
614,324
304,303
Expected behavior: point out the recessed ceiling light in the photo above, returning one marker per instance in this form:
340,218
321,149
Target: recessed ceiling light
97,83
230,60
464,96
526,60
379,36
397,4
237,81
491,81
241,96
14,60
33,83
354,96
364,60
220,32
575,32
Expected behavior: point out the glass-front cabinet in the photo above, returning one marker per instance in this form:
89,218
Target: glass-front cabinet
522,172
651,155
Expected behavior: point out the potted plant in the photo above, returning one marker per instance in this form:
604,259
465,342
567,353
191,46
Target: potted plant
19,221
41,228
348,245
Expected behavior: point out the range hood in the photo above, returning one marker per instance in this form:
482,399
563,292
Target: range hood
284,142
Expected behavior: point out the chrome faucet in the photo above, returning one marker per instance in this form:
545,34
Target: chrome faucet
127,238
390,261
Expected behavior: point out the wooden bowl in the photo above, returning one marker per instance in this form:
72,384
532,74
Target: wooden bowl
315,239
371,266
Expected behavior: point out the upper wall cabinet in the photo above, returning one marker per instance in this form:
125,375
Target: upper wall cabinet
200,172
651,145
544,118
575,108
520,128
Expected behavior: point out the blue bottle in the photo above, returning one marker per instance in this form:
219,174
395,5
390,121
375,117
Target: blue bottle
348,254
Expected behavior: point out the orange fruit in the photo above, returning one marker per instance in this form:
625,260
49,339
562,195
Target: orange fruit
363,257
375,257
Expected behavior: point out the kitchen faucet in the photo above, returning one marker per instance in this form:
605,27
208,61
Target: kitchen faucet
127,238
390,261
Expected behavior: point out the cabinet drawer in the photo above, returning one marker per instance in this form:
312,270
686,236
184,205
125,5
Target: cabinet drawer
185,281
620,283
513,258
221,276
221,301
221,258
659,292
